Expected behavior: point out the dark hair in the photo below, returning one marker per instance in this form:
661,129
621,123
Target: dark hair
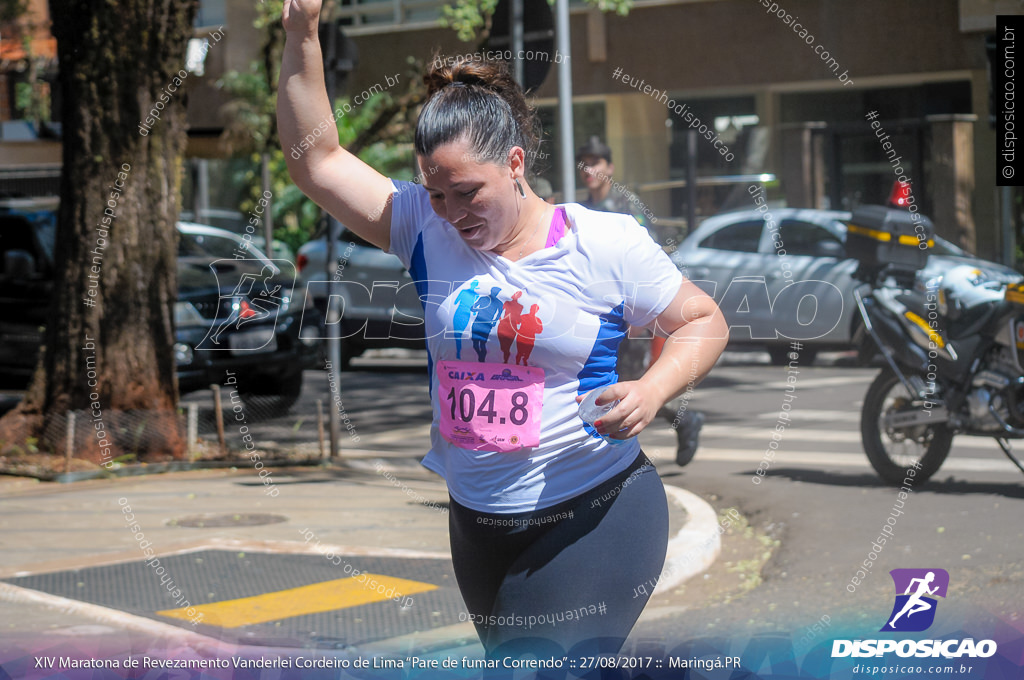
480,101
595,147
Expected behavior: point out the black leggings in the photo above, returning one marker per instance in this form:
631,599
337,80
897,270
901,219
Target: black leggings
564,577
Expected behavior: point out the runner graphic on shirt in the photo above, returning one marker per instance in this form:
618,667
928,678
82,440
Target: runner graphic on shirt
487,308
509,324
530,326
463,311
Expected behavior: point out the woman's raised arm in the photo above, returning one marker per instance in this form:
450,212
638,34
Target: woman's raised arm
349,189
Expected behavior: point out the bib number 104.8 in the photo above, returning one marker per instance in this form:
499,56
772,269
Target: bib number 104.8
488,407
464,406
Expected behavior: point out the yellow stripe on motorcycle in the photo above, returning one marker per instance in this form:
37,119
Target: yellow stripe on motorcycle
875,234
1015,293
907,240
933,335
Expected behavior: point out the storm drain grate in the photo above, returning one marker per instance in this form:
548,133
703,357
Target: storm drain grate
218,575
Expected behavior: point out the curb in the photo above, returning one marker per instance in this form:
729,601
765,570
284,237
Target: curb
696,546
114,617
691,551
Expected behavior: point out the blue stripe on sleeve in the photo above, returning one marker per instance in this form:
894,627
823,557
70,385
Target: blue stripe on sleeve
599,368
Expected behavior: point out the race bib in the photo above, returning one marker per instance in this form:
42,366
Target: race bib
490,407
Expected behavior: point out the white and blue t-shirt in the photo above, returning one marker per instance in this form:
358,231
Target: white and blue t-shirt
571,305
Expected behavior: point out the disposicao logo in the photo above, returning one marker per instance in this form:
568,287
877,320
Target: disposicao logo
914,611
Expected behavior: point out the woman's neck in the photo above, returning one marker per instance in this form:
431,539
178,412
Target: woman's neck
529,232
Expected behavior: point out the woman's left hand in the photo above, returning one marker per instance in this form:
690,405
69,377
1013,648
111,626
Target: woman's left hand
636,409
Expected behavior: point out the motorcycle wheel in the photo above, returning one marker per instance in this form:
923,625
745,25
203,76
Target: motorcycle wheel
891,451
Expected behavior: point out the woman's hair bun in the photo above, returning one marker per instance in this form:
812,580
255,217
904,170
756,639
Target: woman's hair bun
492,75
469,95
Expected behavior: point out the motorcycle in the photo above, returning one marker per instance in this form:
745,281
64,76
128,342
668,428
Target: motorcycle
953,347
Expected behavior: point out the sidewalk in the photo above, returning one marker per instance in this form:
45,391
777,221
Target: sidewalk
251,555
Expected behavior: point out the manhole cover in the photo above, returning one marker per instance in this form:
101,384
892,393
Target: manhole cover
237,520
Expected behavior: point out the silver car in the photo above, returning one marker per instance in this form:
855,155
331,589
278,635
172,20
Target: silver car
376,303
789,278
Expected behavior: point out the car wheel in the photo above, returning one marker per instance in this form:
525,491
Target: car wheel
274,399
780,355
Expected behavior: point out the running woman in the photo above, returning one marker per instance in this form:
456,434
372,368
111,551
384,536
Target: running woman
540,566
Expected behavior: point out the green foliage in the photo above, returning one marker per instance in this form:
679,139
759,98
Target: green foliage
468,17
296,218
10,10
31,101
252,108
471,19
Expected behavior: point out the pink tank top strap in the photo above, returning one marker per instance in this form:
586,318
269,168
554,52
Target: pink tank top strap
557,230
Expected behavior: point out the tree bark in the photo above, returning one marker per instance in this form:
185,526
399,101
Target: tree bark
109,340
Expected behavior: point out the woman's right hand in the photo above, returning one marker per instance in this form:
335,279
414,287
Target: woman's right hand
301,15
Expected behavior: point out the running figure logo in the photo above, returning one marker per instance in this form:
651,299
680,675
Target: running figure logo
914,609
255,300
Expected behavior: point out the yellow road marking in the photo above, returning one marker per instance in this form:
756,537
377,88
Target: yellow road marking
312,599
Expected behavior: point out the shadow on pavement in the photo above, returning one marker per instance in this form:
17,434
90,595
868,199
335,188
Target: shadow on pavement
936,484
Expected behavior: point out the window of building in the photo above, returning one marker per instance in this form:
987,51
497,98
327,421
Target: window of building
211,13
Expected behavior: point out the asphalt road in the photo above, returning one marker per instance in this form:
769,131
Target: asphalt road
825,505
810,520
819,498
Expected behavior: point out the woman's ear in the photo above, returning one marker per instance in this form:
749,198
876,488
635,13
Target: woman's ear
517,162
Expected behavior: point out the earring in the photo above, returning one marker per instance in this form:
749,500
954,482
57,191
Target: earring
522,194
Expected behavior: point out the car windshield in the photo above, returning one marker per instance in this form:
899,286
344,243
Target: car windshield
346,236
205,245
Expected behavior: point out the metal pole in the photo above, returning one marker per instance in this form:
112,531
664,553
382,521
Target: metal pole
218,415
201,199
268,216
566,154
1009,245
516,21
192,429
69,442
691,181
333,229
320,429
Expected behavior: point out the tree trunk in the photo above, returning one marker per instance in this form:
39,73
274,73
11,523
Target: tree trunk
108,343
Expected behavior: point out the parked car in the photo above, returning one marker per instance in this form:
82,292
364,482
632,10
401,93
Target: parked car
770,297
377,305
267,354
236,222
221,322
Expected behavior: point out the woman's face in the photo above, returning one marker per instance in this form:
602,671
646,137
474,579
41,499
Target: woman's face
478,198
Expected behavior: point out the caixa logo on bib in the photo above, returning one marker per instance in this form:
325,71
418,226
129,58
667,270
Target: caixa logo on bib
914,611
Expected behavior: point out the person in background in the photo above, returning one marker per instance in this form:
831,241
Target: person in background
594,160
542,188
